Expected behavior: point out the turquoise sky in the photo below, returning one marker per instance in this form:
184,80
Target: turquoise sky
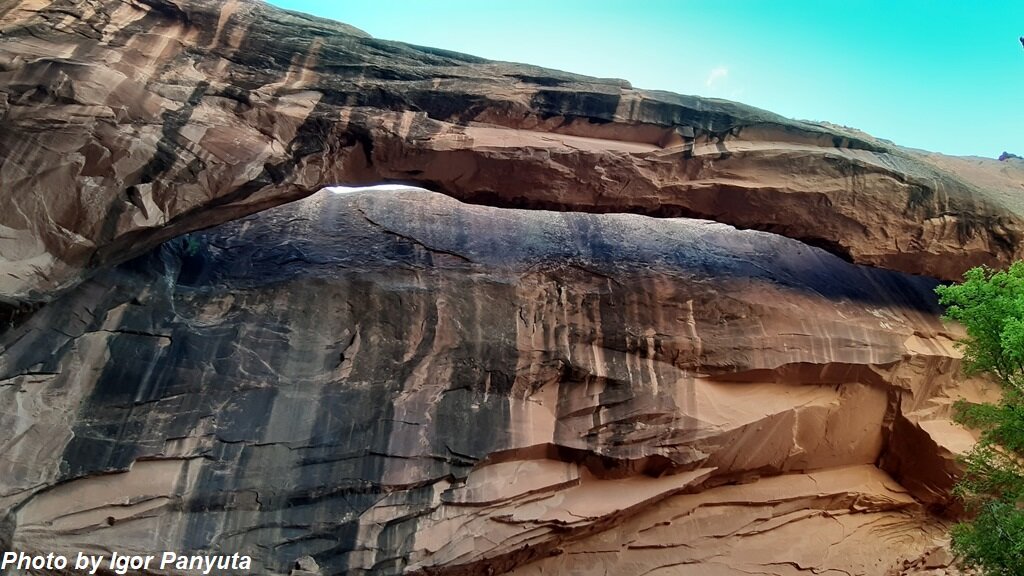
940,75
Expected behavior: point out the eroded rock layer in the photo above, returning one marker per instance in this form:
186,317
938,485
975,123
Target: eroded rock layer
124,124
395,382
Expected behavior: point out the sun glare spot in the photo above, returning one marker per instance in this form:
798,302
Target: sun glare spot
374,188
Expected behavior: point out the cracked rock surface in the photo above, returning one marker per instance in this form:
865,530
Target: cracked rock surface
399,383
124,123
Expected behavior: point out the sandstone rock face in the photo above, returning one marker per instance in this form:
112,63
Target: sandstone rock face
402,383
124,124
399,383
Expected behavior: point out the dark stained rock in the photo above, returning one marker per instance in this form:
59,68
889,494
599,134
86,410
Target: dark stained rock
395,382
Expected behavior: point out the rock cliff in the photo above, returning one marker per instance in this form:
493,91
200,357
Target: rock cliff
126,123
395,382
624,332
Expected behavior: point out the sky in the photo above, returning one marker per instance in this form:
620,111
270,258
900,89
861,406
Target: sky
940,75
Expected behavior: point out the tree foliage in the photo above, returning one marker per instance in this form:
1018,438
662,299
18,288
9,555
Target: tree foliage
990,305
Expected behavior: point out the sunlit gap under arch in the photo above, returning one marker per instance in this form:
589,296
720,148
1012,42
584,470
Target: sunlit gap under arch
374,188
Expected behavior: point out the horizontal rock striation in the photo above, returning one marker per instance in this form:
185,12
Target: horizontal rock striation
827,522
124,124
398,383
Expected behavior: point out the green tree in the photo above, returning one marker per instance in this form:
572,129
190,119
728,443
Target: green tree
990,305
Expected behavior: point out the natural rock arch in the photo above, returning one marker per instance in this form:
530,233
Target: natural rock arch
128,124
